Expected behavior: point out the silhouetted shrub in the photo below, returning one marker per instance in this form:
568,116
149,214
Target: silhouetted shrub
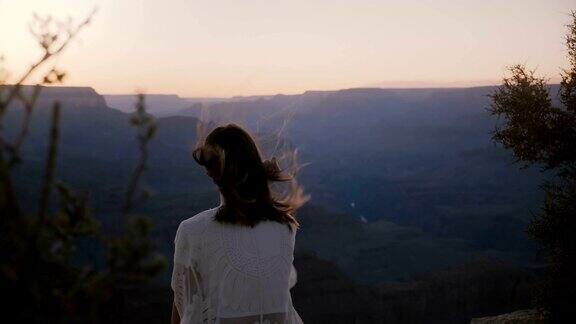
539,133
40,280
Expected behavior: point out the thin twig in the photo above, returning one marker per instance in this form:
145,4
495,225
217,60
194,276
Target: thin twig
24,128
135,178
8,201
146,127
50,168
16,88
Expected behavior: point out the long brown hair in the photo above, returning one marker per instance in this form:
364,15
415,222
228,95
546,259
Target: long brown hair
234,162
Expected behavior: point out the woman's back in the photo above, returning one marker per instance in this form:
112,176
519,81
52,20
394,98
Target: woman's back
233,263
233,274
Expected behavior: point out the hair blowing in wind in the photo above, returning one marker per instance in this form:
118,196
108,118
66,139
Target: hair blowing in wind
234,162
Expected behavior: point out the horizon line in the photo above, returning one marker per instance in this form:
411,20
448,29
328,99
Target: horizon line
387,85
423,87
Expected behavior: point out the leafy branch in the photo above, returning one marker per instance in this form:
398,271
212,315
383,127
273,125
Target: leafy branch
146,128
38,251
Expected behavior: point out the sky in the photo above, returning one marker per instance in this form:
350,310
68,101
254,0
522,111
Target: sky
222,48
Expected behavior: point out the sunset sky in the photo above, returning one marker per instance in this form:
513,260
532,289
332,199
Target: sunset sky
216,48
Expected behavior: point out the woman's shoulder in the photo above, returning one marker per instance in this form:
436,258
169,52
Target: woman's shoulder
197,223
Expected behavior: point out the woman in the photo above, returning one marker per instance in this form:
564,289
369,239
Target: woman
233,263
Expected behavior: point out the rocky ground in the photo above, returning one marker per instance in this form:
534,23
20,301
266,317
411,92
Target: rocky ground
526,316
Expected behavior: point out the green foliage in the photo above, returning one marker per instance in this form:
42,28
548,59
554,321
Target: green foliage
535,130
146,128
539,133
40,277
132,255
568,89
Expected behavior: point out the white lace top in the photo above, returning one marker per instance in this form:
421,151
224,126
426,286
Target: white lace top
232,274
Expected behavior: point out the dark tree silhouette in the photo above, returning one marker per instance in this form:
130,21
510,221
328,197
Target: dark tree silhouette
39,280
540,133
